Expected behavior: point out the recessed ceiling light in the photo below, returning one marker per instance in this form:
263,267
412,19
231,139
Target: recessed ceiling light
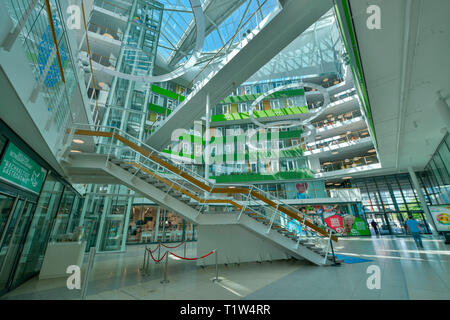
325,80
329,116
326,163
345,178
347,160
329,183
78,141
337,184
75,151
371,151
334,152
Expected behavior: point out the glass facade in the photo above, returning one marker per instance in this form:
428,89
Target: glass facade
389,200
435,179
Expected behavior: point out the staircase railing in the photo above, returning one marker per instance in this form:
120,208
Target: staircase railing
119,144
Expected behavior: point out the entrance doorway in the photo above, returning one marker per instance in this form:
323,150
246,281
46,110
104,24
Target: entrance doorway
380,219
15,218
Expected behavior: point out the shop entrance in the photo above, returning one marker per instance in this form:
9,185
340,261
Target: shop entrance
382,222
15,217
396,223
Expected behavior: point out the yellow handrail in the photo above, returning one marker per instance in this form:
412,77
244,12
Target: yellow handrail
52,30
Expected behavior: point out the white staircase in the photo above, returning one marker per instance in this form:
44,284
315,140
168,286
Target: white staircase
173,187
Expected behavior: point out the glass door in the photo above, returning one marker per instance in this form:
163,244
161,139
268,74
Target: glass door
6,204
382,223
396,223
12,240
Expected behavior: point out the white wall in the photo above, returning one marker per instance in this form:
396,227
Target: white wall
234,244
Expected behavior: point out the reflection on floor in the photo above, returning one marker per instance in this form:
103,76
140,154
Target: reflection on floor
406,273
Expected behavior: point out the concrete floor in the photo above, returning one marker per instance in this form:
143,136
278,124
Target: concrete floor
406,273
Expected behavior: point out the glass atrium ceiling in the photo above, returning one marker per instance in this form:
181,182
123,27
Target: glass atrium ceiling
222,19
318,50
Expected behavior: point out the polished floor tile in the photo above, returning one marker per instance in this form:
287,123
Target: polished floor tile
405,272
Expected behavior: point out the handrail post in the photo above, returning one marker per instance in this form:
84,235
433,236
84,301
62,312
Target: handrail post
88,272
332,252
245,205
272,219
326,251
159,251
216,279
165,280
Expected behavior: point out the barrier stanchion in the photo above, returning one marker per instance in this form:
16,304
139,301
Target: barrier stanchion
217,268
159,251
165,280
185,243
144,264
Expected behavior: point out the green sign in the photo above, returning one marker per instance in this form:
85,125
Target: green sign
359,228
20,170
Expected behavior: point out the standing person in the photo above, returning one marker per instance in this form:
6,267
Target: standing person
374,225
413,226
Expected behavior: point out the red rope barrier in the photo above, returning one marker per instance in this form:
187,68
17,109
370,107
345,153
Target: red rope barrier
172,247
154,257
156,247
193,258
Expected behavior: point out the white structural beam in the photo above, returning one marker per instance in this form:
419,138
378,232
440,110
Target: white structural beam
295,17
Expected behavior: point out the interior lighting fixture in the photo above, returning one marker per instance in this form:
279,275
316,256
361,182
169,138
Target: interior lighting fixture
75,151
346,178
78,141
371,151
335,152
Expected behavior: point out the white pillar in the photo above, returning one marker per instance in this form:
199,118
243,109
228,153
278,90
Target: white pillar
422,200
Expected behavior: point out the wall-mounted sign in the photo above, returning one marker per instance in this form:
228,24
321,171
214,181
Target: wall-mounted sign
441,217
20,170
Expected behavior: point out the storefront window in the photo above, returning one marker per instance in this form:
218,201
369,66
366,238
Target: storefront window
150,224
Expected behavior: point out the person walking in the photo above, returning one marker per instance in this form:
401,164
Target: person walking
413,226
374,225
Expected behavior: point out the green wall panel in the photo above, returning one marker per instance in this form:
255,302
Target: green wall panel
167,93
